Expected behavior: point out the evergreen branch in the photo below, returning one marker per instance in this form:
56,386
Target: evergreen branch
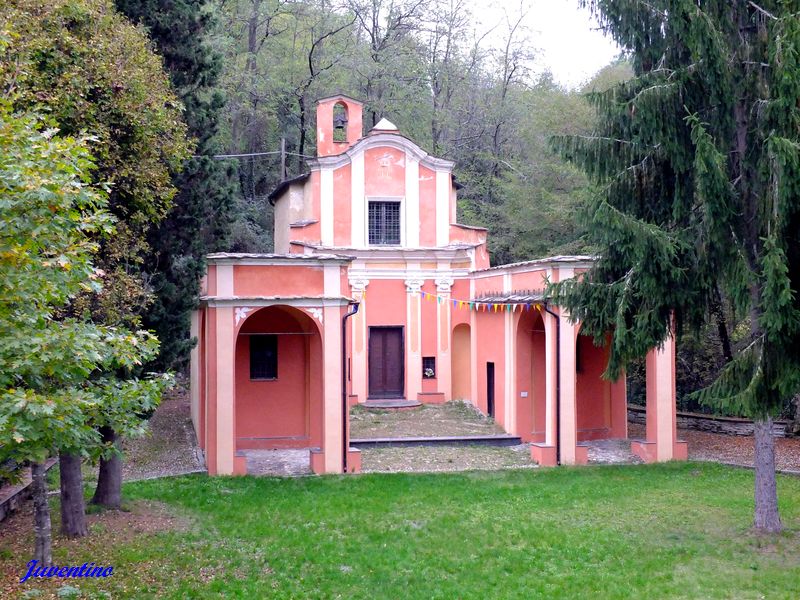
763,11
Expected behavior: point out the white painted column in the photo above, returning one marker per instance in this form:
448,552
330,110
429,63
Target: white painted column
358,325
332,389
473,348
358,203
414,337
661,372
510,399
569,408
412,202
443,365
442,208
194,373
550,383
226,411
326,216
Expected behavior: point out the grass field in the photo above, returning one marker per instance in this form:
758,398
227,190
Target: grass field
667,531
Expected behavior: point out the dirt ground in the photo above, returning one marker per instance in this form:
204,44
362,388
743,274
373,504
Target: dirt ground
429,420
169,448
138,520
731,449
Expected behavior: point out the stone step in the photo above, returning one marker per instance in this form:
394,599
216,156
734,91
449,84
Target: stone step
391,403
468,440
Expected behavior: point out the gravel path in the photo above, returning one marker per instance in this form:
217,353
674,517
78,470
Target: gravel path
437,459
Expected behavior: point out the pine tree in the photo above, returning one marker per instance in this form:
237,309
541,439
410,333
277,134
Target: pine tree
698,156
200,219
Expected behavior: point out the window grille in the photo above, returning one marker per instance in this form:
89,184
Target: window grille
263,357
384,223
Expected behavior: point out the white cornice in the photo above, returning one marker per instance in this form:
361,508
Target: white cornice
225,258
261,301
392,140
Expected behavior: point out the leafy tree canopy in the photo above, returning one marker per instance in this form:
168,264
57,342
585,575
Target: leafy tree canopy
89,69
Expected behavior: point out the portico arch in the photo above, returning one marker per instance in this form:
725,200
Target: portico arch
278,388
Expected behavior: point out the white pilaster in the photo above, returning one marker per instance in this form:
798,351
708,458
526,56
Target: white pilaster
442,208
412,201
326,215
225,425
332,390
414,337
358,204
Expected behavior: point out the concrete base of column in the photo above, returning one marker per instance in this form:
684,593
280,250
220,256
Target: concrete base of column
648,451
544,455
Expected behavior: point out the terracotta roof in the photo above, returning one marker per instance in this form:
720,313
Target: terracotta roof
542,262
513,297
285,184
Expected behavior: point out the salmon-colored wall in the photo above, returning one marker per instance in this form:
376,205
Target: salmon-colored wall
491,348
531,280
593,393
253,280
427,207
428,322
459,291
384,172
285,412
342,206
211,280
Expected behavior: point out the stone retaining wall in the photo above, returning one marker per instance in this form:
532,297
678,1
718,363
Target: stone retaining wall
701,422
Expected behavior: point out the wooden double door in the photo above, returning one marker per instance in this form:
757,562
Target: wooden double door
386,362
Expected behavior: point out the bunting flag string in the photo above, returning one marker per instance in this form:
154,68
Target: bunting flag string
483,305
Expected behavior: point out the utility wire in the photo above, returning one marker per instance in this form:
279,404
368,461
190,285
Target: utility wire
252,154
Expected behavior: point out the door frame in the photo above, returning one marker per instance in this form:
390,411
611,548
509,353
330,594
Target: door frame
490,388
402,329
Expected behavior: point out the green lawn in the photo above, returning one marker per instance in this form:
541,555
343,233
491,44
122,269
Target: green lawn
668,531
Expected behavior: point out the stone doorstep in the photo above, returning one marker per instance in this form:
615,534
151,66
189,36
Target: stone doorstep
391,403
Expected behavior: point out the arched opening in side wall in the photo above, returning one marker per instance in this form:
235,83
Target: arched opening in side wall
461,363
531,375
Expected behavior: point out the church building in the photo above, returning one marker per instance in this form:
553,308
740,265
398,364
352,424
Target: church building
376,295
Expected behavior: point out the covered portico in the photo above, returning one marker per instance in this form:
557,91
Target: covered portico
266,372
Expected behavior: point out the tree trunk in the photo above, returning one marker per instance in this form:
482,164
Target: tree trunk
41,516
73,513
793,425
767,519
109,479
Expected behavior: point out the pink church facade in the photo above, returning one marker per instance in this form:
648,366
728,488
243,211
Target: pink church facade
375,294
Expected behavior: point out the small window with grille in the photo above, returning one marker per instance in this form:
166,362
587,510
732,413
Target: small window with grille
263,357
384,223
429,367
